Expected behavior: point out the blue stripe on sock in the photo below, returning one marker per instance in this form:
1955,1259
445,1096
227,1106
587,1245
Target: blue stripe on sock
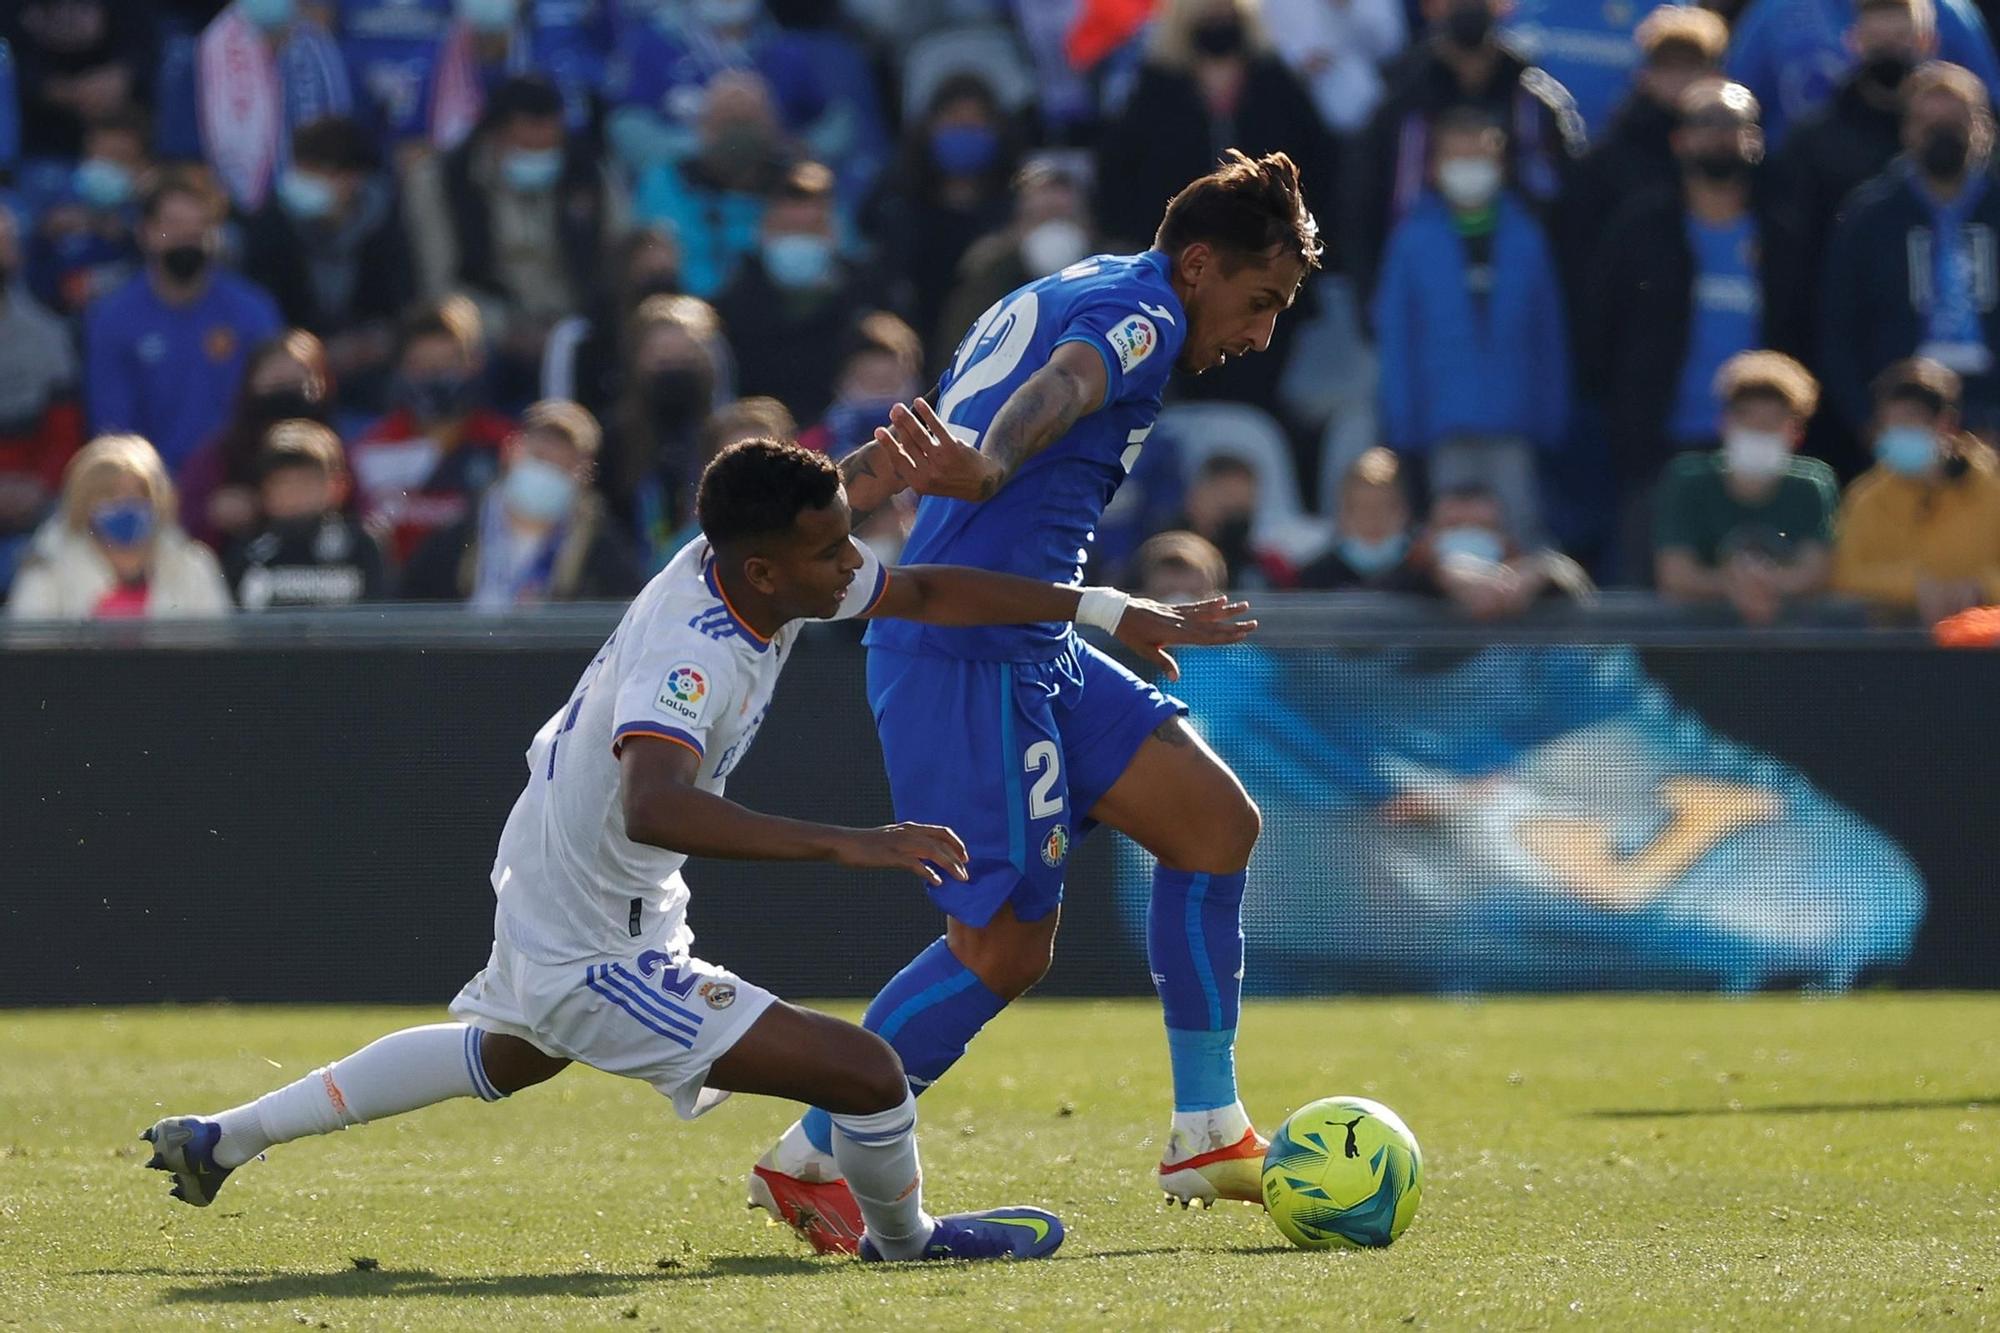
475,1065
880,1136
924,999
1017,820
625,984
603,988
1198,948
651,994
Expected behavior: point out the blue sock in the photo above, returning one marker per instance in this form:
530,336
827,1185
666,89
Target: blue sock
927,1012
1194,940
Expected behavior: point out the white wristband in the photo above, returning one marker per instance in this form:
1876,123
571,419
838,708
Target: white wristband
1101,608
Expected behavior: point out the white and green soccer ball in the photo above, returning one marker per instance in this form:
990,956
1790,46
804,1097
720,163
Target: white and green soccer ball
1343,1172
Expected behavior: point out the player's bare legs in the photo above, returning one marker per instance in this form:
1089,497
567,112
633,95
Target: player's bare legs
1007,954
1181,803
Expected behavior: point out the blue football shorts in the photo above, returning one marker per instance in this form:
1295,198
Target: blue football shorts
1011,756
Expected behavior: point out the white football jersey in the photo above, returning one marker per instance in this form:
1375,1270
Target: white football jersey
681,669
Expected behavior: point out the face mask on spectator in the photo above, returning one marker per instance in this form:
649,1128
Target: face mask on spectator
1888,69
1052,246
102,183
1468,26
123,524
531,170
798,259
1944,152
677,394
1756,455
288,404
538,490
1718,164
1218,37
964,150
1469,182
725,13
437,397
305,196
1374,557
487,15
1468,543
184,263
268,13
1908,451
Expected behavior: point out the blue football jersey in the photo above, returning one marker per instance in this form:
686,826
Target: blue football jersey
1042,522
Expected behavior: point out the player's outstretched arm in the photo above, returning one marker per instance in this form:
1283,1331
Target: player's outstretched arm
952,595
663,808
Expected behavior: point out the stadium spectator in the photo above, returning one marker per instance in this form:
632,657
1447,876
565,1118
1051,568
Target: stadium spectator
519,216
1683,281
391,49
667,56
1912,269
1467,558
1751,523
1177,566
264,68
489,41
1677,44
1793,54
1050,230
330,248
712,200
539,534
75,62
1855,136
1221,508
40,424
672,380
165,353
305,550
1920,531
286,379
1374,549
585,360
417,469
1462,60
113,549
1469,326
1592,49
84,243
790,304
946,189
1337,51
750,419
881,365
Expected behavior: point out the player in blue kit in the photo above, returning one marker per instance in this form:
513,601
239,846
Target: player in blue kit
1024,738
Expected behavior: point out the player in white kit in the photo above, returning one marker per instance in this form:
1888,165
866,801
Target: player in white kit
592,957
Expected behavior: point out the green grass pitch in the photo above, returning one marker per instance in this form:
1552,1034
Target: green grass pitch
1632,1162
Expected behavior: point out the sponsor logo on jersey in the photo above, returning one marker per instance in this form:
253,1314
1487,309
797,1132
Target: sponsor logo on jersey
1158,312
1133,338
719,994
684,693
1056,846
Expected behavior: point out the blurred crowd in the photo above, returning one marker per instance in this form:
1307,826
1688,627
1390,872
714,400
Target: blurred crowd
311,302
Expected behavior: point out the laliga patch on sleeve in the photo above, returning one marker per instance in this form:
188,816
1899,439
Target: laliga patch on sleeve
1133,338
684,693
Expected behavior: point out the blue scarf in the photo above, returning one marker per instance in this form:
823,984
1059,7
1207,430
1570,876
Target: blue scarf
1954,313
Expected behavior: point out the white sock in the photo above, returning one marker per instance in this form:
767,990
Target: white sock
400,1072
795,1156
1197,1132
878,1155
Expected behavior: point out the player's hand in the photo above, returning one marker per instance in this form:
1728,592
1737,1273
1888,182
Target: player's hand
1147,626
921,849
933,460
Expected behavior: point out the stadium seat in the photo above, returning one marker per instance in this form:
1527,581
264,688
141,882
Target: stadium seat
992,52
1202,430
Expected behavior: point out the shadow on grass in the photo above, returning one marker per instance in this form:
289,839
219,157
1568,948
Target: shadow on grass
1798,1108
239,1286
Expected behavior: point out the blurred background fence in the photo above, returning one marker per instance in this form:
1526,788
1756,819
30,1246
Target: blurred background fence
304,808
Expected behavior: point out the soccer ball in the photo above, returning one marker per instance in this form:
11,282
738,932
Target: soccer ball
1343,1171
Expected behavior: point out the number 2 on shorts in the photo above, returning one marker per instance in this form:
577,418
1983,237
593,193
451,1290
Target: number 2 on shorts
1044,758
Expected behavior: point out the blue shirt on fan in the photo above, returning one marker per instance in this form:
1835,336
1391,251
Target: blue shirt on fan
1726,318
1042,522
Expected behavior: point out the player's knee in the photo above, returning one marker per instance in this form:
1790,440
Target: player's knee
511,1064
1242,823
1013,972
876,1078
1221,842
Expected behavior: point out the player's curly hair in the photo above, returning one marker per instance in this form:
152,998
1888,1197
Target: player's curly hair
1249,209
757,488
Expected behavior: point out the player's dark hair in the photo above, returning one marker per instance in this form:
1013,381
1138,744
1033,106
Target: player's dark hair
1248,209
757,488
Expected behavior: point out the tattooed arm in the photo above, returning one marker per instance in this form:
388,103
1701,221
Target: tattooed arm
1071,386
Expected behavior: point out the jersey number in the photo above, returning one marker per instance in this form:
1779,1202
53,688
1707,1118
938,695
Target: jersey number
990,353
1044,758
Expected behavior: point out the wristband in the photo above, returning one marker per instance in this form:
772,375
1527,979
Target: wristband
1101,608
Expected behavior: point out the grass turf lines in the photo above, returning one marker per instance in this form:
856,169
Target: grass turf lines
1629,1162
